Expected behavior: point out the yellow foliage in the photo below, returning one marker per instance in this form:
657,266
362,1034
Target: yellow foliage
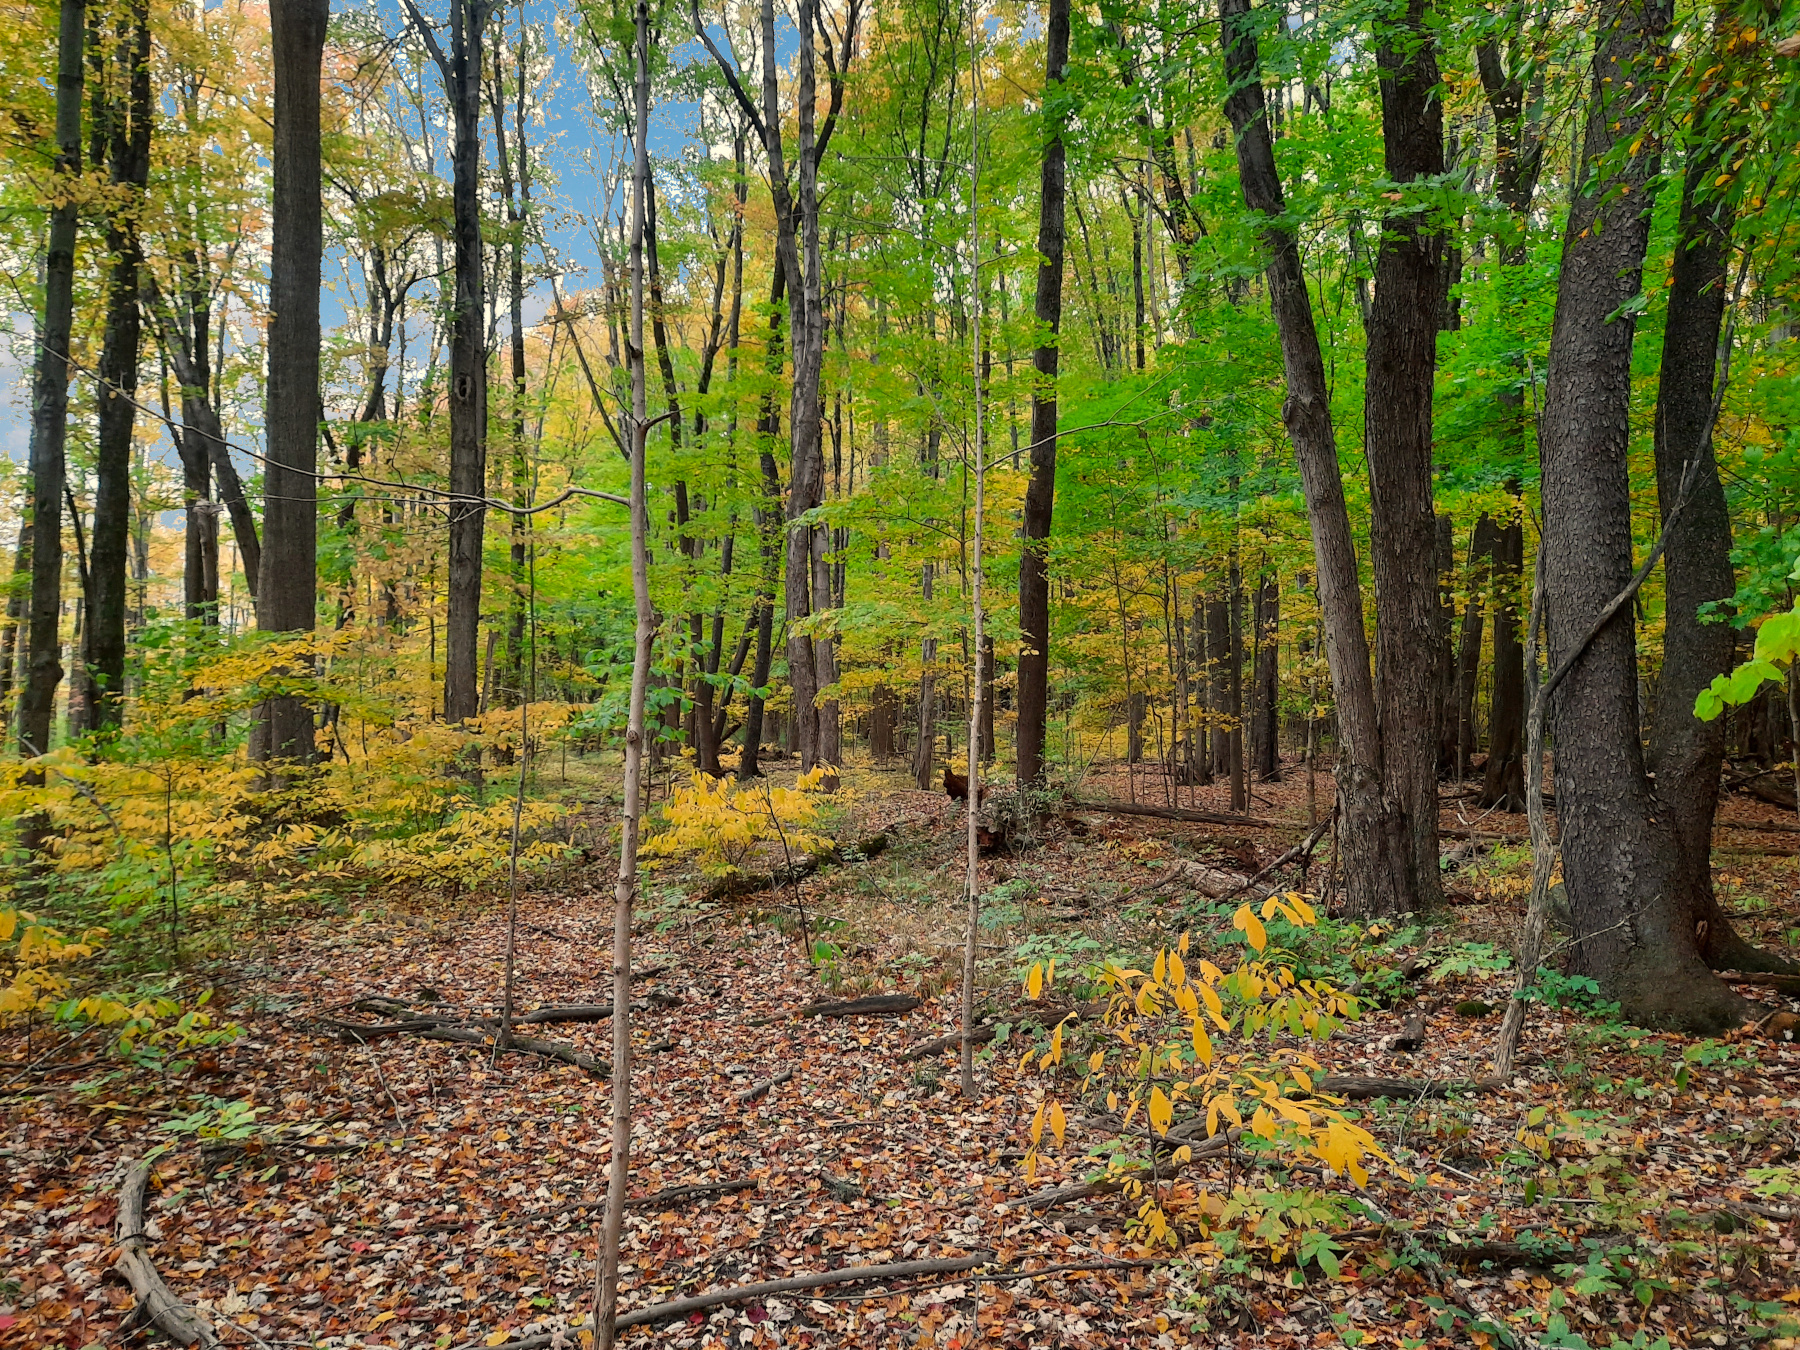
720,825
1164,1056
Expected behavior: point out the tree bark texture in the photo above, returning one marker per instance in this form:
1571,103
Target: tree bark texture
1401,366
468,362
1631,928
1040,489
125,112
1687,754
287,600
1378,853
1459,724
1503,778
50,400
1265,718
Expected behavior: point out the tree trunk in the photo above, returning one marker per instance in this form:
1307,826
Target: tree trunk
1218,680
124,109
1631,927
1265,717
1234,686
1401,366
1040,489
925,736
515,159
883,707
1377,849
468,360
768,523
287,598
50,401
1503,779
1459,725
606,1300
1686,754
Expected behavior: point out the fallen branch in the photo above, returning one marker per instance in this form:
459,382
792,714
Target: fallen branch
756,1090
1357,1088
873,1006
655,1200
938,1044
470,1033
740,884
1787,984
154,1301
1164,1169
1116,808
744,1293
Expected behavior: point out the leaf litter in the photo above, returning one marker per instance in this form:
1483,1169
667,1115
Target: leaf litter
411,1193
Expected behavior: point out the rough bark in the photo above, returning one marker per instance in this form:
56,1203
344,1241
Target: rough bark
1687,754
287,598
50,401
768,522
460,69
1459,723
1040,489
1503,778
1377,851
125,114
1265,717
1401,366
1631,930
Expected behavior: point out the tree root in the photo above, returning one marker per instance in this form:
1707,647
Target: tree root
473,1033
155,1303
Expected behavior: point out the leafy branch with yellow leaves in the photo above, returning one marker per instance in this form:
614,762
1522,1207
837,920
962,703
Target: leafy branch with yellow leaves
1156,1058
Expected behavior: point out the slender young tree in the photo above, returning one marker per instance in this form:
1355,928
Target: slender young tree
50,398
1040,489
625,889
978,691
288,589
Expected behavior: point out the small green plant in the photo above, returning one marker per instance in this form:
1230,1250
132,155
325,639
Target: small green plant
1471,958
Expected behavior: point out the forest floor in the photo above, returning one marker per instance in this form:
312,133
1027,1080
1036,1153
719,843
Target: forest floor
411,1193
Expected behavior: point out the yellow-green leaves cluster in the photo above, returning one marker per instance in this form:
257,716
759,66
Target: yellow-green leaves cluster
1188,1038
720,825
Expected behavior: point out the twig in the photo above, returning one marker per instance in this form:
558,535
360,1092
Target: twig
154,1301
750,1094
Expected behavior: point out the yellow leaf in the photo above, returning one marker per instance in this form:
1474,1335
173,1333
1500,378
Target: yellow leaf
499,1338
1160,971
9,923
1251,927
1034,982
1177,971
1162,1111
1037,1125
1057,1122
380,1318
1202,1043
1095,1061
1184,944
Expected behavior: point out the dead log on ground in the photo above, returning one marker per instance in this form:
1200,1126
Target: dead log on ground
155,1304
737,885
1357,1088
877,1005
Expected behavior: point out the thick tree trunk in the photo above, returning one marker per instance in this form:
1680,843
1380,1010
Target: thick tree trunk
1687,754
1040,489
1631,926
1503,779
1378,850
287,597
50,402
1401,365
125,110
468,362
